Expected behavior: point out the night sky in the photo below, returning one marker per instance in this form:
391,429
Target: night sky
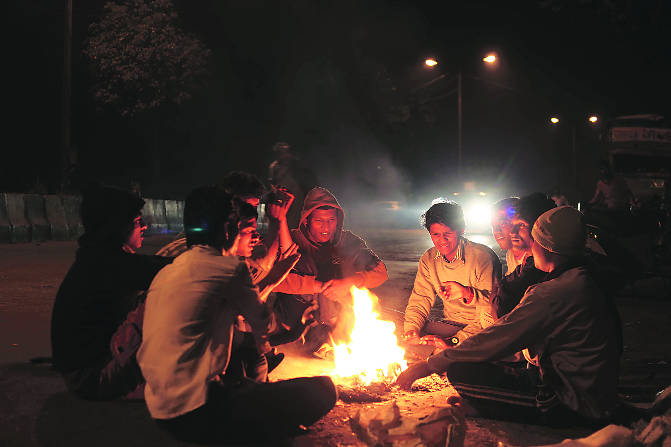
341,82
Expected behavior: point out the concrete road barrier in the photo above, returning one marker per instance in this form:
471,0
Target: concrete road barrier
5,224
37,217
16,211
148,215
72,207
174,218
180,212
58,223
160,220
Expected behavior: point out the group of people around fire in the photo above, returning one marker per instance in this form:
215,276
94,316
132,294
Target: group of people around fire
194,329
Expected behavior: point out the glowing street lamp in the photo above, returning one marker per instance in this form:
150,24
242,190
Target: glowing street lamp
432,62
593,119
554,120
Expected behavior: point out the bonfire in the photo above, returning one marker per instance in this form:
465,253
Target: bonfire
373,354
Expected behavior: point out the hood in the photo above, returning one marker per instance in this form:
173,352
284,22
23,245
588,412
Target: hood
318,197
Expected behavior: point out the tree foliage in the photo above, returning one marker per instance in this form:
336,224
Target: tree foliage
141,59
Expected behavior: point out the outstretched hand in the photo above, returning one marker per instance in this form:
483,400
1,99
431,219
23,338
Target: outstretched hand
277,274
414,372
337,290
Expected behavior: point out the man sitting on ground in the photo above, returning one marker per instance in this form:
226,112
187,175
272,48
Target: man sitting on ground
567,328
97,317
192,390
502,214
332,261
462,273
513,285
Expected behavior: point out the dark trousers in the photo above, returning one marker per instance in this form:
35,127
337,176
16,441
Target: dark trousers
249,411
514,393
118,374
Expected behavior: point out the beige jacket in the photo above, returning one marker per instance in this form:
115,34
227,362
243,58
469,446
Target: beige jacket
477,267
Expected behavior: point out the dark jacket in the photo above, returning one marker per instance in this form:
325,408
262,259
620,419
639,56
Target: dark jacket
99,291
511,288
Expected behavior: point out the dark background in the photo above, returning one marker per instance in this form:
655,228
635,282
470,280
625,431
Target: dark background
339,81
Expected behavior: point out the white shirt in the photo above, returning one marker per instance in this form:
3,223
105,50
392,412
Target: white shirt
191,308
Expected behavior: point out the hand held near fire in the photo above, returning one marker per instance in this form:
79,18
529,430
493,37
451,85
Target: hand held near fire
434,340
411,337
452,290
414,372
338,290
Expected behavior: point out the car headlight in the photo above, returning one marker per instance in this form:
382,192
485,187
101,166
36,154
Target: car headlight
477,215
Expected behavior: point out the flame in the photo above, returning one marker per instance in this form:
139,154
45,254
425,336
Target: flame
373,354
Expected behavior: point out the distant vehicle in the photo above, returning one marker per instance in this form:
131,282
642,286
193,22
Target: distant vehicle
639,150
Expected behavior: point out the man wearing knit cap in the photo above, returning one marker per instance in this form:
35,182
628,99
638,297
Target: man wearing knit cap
567,329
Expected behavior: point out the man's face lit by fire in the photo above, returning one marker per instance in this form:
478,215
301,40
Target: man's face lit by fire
445,239
520,234
248,238
501,229
137,234
322,225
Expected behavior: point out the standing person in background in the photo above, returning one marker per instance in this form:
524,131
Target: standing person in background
97,317
612,192
286,172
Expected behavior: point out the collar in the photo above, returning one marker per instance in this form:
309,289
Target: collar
459,255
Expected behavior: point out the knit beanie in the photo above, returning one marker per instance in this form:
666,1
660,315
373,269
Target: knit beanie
561,230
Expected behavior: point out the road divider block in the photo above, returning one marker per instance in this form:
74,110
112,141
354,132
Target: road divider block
37,217
55,212
174,218
72,207
5,224
160,220
16,211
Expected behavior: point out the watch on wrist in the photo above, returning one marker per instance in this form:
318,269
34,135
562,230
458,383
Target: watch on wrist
454,341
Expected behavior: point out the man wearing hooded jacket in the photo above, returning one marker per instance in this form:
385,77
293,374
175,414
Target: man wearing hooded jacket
332,261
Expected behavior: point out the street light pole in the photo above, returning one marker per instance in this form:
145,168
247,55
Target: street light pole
459,125
431,62
67,92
